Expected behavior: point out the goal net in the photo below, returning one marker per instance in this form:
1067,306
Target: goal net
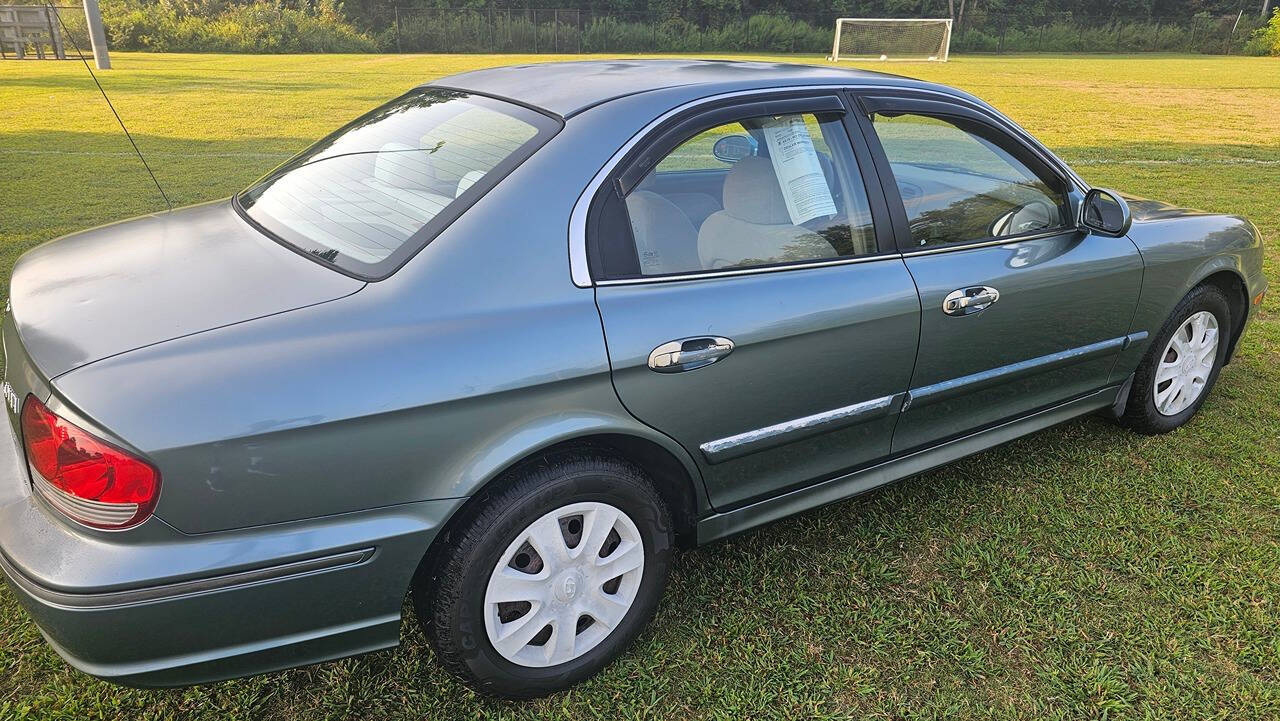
885,39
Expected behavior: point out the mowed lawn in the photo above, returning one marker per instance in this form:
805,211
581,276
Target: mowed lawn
1082,572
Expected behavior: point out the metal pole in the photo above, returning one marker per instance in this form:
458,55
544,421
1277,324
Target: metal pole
97,38
1232,35
398,48
55,36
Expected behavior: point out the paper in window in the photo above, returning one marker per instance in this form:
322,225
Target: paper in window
795,162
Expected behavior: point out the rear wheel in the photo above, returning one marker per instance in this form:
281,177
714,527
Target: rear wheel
548,579
1182,363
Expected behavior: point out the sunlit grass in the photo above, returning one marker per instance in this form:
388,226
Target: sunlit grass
1082,572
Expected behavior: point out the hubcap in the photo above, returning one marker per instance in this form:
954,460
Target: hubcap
1185,366
563,584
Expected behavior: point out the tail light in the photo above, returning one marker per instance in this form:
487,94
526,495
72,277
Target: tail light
82,476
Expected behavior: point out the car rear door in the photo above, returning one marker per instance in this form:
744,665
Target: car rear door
1019,309
773,336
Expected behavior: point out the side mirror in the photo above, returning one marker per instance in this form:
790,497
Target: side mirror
732,148
1105,212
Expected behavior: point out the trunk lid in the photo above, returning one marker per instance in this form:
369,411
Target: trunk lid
119,287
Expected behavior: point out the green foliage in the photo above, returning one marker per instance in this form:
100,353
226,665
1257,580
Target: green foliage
274,26
374,13
1200,34
472,32
1266,39
759,33
220,26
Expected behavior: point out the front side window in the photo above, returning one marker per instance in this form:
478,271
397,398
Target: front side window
957,184
370,194
759,191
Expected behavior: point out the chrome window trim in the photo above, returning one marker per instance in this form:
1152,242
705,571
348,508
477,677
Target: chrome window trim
755,270
580,269
968,245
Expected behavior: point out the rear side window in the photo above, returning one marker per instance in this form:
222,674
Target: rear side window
758,191
371,194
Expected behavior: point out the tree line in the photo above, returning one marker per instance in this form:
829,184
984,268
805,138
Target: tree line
640,26
702,11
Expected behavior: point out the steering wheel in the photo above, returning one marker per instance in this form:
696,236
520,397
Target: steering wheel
1031,217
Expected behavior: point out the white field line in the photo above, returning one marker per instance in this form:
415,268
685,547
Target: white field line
1178,161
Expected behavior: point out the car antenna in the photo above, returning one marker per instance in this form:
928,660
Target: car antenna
80,52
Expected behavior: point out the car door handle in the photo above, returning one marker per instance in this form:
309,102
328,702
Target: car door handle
967,301
688,354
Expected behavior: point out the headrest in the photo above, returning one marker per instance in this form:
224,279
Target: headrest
752,193
403,166
467,181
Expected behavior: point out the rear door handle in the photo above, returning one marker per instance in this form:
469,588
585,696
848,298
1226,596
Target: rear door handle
688,354
967,301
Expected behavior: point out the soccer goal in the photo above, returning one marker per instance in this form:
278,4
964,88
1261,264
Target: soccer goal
891,39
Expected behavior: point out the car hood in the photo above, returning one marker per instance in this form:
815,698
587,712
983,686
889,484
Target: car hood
1146,210
112,289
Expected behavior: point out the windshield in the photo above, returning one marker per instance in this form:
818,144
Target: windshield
371,194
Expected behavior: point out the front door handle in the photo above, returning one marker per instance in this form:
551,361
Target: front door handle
967,301
688,354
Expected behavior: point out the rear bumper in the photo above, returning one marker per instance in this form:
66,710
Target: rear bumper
155,607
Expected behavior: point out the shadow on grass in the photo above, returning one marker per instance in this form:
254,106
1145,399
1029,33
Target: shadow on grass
1190,153
148,82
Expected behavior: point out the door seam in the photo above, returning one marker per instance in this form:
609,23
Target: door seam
604,337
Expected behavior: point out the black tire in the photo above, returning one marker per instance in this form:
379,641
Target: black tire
1140,413
449,590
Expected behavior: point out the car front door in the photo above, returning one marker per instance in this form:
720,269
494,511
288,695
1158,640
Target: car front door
754,306
1019,309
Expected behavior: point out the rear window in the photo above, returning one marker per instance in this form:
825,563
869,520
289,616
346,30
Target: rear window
371,194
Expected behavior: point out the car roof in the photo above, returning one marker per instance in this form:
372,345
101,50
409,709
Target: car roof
568,88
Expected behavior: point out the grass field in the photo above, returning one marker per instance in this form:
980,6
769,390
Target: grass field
1080,573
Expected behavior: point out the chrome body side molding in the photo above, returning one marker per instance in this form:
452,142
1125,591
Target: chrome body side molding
935,392
747,442
839,488
739,445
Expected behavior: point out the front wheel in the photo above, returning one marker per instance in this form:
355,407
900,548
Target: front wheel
549,578
1181,365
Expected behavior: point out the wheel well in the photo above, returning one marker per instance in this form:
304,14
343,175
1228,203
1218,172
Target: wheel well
1232,286
669,476
670,479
